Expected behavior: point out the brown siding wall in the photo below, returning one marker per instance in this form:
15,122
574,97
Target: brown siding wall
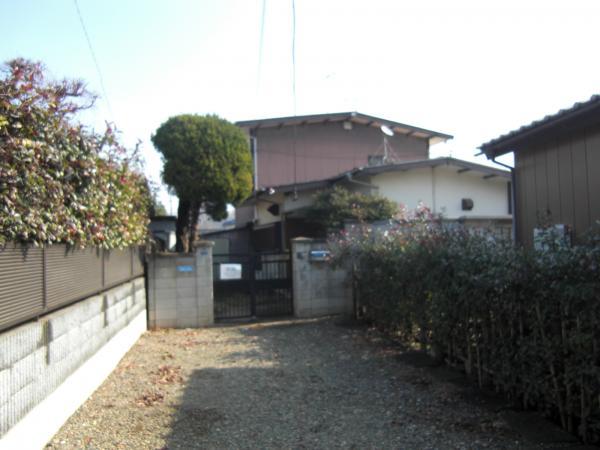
560,180
71,274
35,281
21,284
324,150
117,266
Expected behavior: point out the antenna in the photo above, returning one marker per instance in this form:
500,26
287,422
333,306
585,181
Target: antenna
389,155
387,131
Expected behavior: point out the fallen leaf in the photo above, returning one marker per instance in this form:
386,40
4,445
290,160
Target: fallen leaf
150,398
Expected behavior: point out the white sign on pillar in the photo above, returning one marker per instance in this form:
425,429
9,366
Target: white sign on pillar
230,271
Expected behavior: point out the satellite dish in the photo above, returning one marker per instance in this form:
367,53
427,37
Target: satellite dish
386,130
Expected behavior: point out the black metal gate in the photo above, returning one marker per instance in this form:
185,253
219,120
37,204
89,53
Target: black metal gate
252,285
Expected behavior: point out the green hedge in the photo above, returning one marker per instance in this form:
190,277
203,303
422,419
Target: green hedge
527,323
60,182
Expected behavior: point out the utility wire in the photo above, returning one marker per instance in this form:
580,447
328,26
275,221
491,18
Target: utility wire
89,42
258,75
294,53
294,88
260,45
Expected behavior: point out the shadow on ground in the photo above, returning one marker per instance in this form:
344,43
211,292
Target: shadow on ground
530,425
309,384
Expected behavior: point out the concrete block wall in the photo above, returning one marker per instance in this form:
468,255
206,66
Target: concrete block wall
180,289
319,289
37,357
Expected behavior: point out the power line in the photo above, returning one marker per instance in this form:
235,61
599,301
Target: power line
260,45
89,42
294,53
294,85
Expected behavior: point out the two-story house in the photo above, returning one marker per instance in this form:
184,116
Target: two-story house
294,157
297,156
297,149
294,151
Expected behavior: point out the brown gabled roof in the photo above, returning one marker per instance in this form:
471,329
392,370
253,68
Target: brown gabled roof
433,137
464,166
580,114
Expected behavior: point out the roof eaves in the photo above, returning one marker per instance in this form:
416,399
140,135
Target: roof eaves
374,170
502,144
276,121
353,116
435,162
299,187
372,120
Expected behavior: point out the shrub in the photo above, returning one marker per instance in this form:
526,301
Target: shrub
60,182
207,163
526,322
333,208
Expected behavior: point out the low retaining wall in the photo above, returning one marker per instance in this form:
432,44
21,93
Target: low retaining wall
37,357
34,281
319,289
180,289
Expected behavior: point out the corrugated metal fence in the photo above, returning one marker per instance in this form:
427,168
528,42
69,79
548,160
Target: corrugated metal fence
35,281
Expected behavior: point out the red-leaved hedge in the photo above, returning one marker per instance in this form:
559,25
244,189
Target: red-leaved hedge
60,182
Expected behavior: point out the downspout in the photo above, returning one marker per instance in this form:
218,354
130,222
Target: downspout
433,191
513,196
254,150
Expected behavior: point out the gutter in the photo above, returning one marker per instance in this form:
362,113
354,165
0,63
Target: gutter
348,177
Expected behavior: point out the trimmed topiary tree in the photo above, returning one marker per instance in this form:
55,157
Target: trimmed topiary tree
208,163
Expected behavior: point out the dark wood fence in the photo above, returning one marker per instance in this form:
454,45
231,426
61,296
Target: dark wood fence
35,281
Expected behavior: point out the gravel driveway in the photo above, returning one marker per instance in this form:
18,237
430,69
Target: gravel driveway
291,384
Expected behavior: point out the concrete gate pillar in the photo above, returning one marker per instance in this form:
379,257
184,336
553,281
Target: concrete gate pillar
319,289
180,288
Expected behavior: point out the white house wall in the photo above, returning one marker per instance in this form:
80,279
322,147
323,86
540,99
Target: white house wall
442,188
406,188
287,204
490,196
263,215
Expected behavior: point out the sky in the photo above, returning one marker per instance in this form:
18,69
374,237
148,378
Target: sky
472,69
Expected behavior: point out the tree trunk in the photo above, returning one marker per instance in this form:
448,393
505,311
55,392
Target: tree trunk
183,213
193,223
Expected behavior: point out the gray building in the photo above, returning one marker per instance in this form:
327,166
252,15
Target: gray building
162,230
